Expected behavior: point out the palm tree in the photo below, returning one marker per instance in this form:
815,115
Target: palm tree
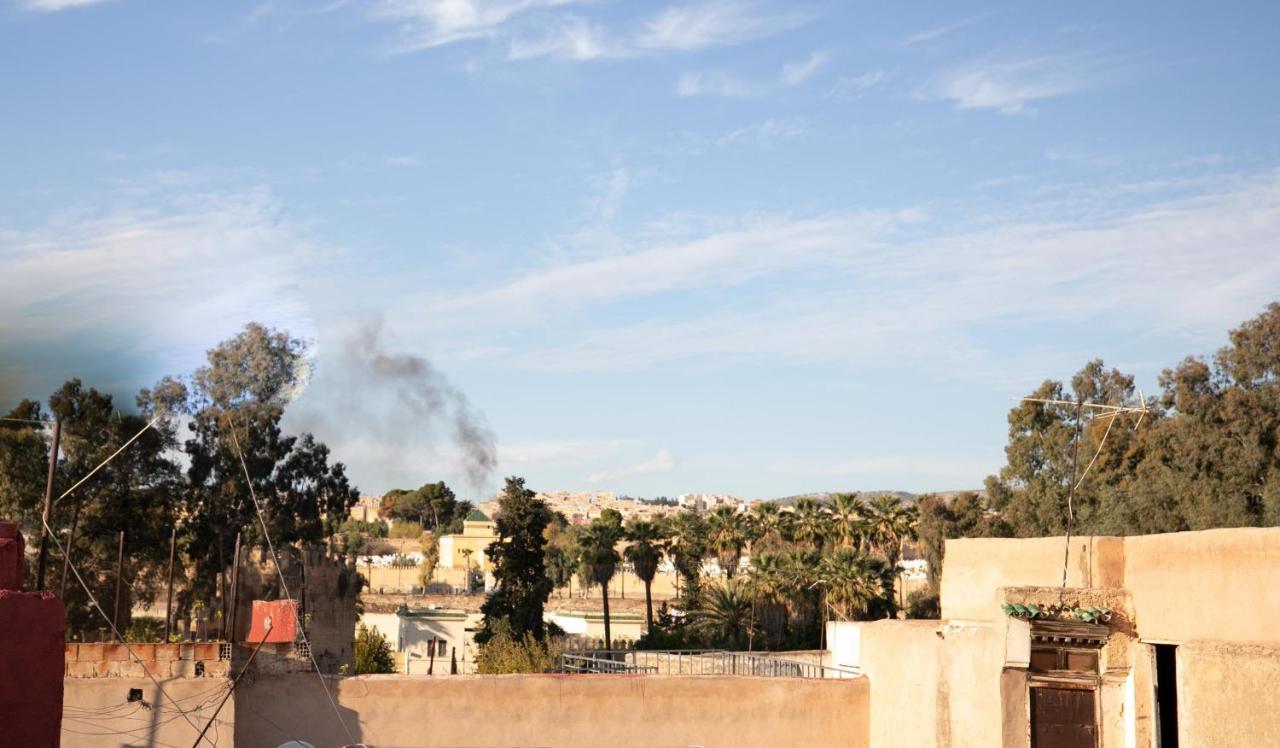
599,541
466,555
850,580
768,525
810,526
800,581
645,553
848,519
725,618
890,525
768,586
728,533
688,546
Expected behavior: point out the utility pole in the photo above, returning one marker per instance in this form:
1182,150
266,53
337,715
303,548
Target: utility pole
66,557
48,504
230,635
119,580
168,605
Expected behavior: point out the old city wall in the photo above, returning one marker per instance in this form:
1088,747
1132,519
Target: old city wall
328,588
565,711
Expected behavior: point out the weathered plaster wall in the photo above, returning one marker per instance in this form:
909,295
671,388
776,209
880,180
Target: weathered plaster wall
1227,694
902,661
1215,585
97,713
975,569
562,711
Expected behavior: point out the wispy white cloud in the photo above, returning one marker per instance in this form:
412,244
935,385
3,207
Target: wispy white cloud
541,29
570,38
424,24
52,6
891,287
712,24
719,83
662,462
569,452
1013,86
166,281
766,134
935,33
856,86
795,73
402,160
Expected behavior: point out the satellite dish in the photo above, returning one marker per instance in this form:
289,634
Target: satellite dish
297,744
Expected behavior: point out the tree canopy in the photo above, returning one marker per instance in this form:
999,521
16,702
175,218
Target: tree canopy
1204,456
519,565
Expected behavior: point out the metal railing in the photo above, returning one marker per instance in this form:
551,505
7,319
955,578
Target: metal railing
695,662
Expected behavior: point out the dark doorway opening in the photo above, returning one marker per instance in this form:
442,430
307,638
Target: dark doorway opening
1167,695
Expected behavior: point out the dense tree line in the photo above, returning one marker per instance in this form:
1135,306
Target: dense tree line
185,472
1204,456
1206,453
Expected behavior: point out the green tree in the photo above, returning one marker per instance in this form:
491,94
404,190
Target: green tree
599,542
432,505
725,620
235,404
799,578
811,525
769,526
644,551
767,585
848,520
24,455
505,652
965,516
561,550
688,548
372,652
519,565
850,581
132,494
1050,446
890,523
728,535
430,559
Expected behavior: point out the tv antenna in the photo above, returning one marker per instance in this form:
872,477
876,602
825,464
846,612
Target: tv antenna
1100,412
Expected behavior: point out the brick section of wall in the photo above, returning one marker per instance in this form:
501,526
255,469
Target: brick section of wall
183,660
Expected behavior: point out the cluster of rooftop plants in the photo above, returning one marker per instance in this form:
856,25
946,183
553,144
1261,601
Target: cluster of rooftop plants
1058,612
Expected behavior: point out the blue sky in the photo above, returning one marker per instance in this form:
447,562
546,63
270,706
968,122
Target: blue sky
663,247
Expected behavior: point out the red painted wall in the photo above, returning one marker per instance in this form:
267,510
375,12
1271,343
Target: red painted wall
32,634
284,621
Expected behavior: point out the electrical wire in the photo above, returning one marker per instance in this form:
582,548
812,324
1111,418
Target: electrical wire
109,459
93,599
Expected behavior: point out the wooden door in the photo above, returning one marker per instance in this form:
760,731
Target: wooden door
1063,718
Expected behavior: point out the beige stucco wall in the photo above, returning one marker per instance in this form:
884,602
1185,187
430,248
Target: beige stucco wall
553,710
1227,694
96,712
1212,593
1213,585
975,569
902,663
